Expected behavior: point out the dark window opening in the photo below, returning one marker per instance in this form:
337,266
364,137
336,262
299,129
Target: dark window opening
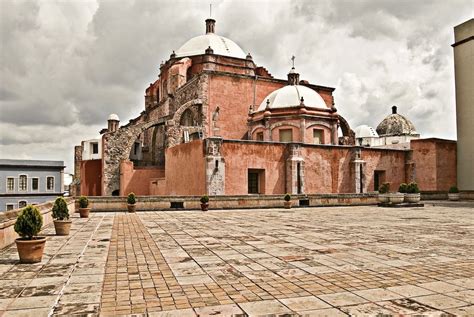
136,147
379,179
95,148
259,136
116,192
34,184
176,204
22,204
304,202
298,177
253,182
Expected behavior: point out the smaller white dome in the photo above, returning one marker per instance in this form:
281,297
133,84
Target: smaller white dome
114,117
290,96
364,131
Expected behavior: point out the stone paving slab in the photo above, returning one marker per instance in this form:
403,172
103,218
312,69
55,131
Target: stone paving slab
309,262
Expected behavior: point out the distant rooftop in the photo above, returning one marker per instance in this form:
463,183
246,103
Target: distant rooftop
39,163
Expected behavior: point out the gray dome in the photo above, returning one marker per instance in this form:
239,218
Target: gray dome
396,124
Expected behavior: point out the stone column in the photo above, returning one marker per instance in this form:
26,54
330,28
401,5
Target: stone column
295,175
215,167
334,138
358,172
410,167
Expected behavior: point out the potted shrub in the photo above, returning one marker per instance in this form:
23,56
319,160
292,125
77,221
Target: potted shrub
62,224
287,202
28,224
413,193
453,193
131,201
84,207
204,203
383,193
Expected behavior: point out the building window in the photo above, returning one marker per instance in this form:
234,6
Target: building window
10,207
259,136
34,183
22,203
379,179
253,182
10,184
22,184
256,181
50,183
95,148
136,147
286,135
318,136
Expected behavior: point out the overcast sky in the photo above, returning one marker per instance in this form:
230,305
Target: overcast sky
66,65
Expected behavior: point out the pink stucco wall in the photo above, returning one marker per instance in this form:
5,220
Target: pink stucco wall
185,170
137,179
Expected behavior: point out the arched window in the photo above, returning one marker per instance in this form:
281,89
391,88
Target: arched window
187,118
22,203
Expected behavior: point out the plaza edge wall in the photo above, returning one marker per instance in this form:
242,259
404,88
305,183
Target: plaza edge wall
8,219
137,179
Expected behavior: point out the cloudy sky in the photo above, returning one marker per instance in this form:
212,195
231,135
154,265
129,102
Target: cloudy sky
65,65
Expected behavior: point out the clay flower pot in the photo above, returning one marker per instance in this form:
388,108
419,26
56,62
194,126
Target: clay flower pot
453,196
204,206
30,251
84,212
412,198
131,207
287,204
62,227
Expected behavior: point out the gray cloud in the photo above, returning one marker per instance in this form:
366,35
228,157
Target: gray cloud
66,65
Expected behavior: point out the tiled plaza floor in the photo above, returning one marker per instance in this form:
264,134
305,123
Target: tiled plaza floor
312,262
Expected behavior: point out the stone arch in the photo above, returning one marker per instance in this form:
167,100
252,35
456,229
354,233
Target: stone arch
320,123
260,126
174,130
281,124
348,134
116,148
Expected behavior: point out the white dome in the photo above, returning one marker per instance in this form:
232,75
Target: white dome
364,131
290,96
114,117
221,46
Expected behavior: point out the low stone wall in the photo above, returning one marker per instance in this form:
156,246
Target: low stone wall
230,202
8,218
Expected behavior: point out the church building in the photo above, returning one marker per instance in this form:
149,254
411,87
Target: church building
216,123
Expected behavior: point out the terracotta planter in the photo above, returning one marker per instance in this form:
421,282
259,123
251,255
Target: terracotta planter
412,198
396,198
131,207
30,251
287,204
384,198
204,206
62,227
453,196
84,212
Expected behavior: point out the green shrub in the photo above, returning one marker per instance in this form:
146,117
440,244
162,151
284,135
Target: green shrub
83,202
131,199
453,190
384,188
60,209
204,199
413,188
403,188
29,222
287,197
